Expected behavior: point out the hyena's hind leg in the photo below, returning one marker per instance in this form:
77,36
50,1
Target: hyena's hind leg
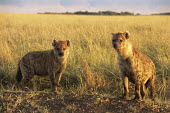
25,81
151,83
27,76
144,89
152,89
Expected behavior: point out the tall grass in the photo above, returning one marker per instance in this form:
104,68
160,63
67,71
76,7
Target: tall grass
92,64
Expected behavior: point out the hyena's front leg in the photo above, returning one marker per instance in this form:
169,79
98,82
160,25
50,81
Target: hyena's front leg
60,73
137,92
53,81
143,91
59,78
126,89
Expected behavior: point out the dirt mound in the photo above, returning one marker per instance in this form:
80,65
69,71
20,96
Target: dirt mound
52,102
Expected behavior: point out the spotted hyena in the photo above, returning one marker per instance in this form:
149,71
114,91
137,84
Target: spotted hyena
42,63
134,66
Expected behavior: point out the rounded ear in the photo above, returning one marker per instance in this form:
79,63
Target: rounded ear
54,43
127,35
113,34
68,43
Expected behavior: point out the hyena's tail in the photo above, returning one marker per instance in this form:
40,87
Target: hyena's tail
19,75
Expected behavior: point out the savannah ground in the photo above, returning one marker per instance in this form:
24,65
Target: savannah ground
92,72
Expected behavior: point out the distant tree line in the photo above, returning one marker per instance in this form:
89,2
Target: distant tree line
168,13
94,13
102,13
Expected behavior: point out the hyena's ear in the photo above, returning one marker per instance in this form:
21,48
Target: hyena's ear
54,43
113,34
127,34
68,43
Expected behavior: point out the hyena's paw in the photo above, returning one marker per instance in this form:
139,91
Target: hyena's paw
124,97
136,99
54,89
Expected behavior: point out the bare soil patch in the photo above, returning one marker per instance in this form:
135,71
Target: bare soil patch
43,102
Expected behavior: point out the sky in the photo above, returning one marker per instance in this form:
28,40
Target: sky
59,6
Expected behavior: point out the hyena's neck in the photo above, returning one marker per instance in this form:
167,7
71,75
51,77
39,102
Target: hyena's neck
62,59
125,52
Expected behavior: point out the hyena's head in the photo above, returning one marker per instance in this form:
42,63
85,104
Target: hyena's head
120,40
61,48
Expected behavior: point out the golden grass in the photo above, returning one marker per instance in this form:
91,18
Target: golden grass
92,64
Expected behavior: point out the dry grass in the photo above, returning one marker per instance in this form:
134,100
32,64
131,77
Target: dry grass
92,64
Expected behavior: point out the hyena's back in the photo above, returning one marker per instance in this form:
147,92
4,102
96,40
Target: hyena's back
139,68
36,62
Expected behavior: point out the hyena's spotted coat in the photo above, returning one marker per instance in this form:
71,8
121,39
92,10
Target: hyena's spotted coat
134,66
51,62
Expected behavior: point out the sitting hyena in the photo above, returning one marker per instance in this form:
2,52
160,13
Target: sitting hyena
134,66
51,62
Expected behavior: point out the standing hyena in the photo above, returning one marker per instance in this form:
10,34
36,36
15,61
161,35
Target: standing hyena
51,62
134,66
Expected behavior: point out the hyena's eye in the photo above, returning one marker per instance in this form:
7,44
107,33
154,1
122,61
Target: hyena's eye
64,48
114,40
121,40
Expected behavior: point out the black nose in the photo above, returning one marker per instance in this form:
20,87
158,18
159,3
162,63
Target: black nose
61,54
115,45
